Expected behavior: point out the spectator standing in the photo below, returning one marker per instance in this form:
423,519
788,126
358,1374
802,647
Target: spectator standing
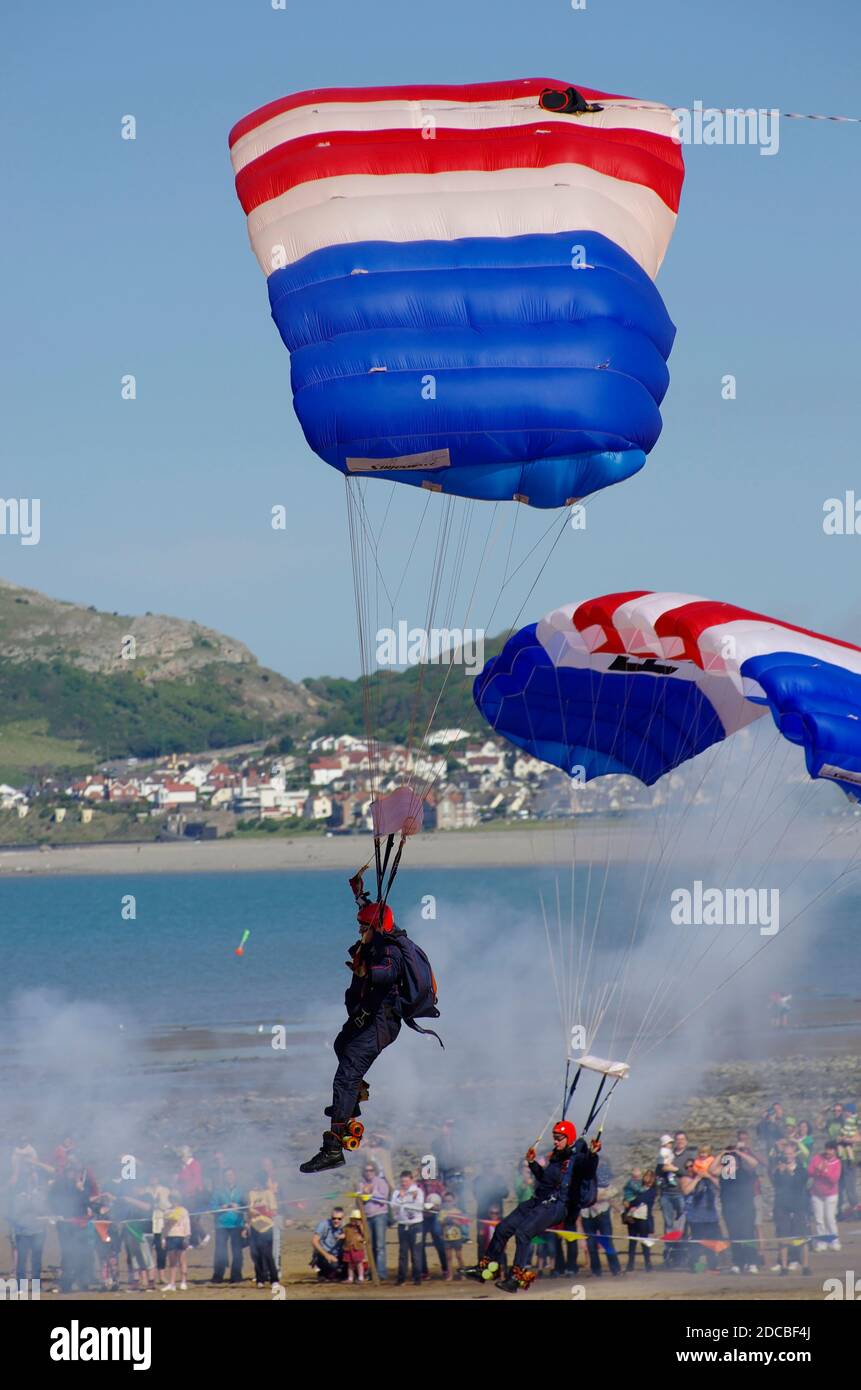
69,1196
702,1219
262,1215
408,1211
737,1169
824,1171
670,1196
847,1152
29,1221
598,1224
158,1194
375,1188
431,1226
230,1205
189,1184
640,1221
376,1191
177,1238
790,1180
268,1168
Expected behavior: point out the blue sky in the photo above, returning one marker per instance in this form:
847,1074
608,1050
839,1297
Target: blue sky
132,257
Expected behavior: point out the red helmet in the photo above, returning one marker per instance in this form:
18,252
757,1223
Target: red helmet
565,1127
369,916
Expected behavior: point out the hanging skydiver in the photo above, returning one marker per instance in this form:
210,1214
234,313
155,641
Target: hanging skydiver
562,1188
392,984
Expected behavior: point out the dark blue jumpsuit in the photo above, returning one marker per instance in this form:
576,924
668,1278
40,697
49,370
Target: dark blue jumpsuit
555,1200
373,1006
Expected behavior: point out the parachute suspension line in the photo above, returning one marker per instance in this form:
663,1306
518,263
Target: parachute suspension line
652,862
650,869
556,982
800,913
394,869
735,946
807,863
605,1106
544,1128
440,551
569,1094
667,978
433,776
360,545
417,746
656,1012
595,1107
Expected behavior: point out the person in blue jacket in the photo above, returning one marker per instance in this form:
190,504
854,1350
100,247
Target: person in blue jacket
558,1197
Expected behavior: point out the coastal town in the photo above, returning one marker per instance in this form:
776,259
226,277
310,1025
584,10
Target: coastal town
324,785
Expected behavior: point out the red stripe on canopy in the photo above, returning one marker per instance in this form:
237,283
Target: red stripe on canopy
636,156
477,92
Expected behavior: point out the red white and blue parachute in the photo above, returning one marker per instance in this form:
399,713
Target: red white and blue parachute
639,682
464,279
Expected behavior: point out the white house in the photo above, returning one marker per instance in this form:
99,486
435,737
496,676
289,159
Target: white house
10,799
176,794
325,771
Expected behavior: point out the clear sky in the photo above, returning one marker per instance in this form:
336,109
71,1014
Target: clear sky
125,256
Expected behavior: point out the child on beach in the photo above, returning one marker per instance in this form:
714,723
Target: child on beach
176,1236
455,1230
355,1256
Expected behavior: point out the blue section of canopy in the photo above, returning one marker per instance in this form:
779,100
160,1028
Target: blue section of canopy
817,705
517,369
592,722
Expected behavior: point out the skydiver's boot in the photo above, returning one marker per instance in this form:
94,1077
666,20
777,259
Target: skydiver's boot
485,1269
519,1278
363,1094
330,1155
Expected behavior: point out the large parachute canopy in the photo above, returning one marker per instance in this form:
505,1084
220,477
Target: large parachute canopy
638,683
464,279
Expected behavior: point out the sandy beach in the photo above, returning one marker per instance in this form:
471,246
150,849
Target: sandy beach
517,847
300,1284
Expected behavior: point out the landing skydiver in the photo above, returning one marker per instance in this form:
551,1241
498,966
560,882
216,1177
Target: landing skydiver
562,1188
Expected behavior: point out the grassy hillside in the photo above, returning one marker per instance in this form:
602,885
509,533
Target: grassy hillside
403,702
70,696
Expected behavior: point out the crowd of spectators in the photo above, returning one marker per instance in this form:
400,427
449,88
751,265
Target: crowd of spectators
764,1199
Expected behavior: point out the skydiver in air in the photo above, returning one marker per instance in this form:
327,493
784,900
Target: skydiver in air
560,1193
391,983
